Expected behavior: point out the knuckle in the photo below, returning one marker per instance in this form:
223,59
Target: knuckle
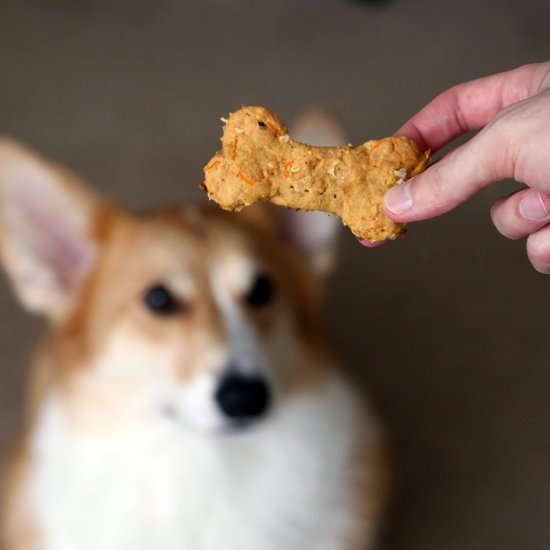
438,189
500,142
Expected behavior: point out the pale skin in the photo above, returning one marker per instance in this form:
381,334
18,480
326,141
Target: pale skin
512,112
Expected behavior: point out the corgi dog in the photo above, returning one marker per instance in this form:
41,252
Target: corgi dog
184,396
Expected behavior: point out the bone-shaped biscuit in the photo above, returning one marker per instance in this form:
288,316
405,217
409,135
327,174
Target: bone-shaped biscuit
260,162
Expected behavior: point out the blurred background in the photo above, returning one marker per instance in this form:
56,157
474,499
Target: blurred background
448,330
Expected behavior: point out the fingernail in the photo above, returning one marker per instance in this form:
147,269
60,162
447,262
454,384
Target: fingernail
399,198
533,206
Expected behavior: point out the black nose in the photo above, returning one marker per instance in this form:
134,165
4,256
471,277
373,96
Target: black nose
243,398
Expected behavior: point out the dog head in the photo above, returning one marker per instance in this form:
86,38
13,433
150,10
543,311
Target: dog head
188,314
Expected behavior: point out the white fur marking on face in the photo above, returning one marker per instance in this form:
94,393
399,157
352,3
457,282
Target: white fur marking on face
231,278
197,404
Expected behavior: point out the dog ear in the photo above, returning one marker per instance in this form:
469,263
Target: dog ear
315,233
46,230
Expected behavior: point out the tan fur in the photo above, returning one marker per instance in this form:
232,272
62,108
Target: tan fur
372,492
173,245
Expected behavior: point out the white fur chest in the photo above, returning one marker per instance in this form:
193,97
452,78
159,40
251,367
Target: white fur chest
284,485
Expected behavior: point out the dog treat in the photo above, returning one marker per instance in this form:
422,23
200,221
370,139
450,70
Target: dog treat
260,162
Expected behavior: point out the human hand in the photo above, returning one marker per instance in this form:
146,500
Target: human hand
513,111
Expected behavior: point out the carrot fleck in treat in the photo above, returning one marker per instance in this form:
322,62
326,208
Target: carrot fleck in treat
260,162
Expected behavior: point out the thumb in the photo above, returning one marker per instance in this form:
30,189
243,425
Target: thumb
450,181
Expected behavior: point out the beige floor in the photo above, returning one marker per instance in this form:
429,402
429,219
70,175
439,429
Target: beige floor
448,329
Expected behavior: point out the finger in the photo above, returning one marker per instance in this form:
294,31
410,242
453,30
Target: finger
472,105
369,244
521,214
455,178
538,249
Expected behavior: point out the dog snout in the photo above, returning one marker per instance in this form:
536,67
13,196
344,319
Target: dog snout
243,398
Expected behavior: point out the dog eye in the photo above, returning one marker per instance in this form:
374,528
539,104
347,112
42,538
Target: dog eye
161,301
262,291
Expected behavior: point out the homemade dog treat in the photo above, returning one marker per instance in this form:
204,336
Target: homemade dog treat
260,162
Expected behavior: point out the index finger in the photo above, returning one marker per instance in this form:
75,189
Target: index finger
471,105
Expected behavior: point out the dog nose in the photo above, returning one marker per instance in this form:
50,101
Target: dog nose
243,397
